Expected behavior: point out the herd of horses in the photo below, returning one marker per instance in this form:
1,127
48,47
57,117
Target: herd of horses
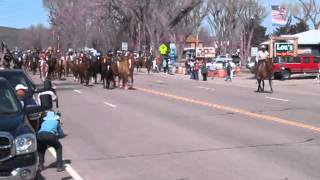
115,71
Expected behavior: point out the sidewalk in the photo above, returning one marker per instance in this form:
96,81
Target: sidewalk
305,86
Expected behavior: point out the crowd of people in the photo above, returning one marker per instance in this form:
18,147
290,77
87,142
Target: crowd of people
197,68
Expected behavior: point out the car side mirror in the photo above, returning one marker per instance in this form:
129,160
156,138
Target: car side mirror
46,104
47,85
46,101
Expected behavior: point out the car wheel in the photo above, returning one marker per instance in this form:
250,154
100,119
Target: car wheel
286,74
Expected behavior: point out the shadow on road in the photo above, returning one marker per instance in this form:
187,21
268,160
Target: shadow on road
54,164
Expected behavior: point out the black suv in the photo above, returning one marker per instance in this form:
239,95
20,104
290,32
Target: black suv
18,144
17,76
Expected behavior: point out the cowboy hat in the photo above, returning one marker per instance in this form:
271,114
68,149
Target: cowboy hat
51,116
21,86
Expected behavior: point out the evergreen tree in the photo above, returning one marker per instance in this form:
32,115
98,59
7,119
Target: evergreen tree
259,35
299,27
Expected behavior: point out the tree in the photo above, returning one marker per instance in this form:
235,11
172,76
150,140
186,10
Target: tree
35,37
292,29
259,35
233,20
310,12
108,22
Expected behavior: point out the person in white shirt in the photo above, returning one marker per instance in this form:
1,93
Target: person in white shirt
262,54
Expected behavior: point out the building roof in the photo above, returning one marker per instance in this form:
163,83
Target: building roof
311,37
307,37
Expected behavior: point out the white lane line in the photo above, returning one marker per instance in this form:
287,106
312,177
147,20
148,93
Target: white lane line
109,104
77,91
278,99
68,167
206,88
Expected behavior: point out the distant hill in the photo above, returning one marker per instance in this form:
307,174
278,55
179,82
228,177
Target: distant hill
10,36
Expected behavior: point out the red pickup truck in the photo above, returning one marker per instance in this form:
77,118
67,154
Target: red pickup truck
296,65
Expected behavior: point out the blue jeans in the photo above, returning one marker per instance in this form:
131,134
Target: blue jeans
196,75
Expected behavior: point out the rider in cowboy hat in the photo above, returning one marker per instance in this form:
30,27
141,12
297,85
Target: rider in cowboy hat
48,135
262,54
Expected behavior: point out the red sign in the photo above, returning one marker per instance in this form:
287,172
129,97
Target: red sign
284,54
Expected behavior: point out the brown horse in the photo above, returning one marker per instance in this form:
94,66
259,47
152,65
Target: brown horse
131,68
123,70
264,71
106,72
147,64
81,69
139,63
60,67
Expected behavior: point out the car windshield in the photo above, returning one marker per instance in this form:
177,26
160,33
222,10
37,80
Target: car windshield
8,103
16,79
33,86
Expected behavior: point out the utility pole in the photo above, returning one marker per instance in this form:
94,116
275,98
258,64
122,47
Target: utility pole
139,36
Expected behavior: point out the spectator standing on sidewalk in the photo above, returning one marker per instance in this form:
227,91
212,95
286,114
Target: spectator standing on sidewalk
229,72
212,69
196,69
191,64
186,65
164,65
204,71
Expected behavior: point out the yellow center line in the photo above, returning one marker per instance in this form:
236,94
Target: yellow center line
234,110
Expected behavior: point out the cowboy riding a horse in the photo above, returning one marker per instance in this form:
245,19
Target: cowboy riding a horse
264,69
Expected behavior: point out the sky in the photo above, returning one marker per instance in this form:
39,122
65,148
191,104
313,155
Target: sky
267,21
24,13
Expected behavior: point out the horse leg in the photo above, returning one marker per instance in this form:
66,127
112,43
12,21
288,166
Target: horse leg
107,82
270,84
131,77
259,87
40,72
104,81
119,77
262,85
95,77
124,82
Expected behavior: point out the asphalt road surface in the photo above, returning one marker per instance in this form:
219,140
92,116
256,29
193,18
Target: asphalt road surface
172,128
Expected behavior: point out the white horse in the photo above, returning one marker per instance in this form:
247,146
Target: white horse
43,69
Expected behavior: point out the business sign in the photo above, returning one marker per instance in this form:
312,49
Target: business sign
124,46
172,46
284,49
254,51
163,49
205,52
279,15
304,51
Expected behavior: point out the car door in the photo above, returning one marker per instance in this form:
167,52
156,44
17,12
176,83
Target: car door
315,64
306,64
293,64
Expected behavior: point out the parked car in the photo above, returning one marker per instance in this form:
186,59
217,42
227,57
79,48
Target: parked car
18,144
296,65
222,60
16,77
251,63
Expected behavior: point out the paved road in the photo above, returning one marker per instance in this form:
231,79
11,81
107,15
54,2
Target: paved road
173,128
